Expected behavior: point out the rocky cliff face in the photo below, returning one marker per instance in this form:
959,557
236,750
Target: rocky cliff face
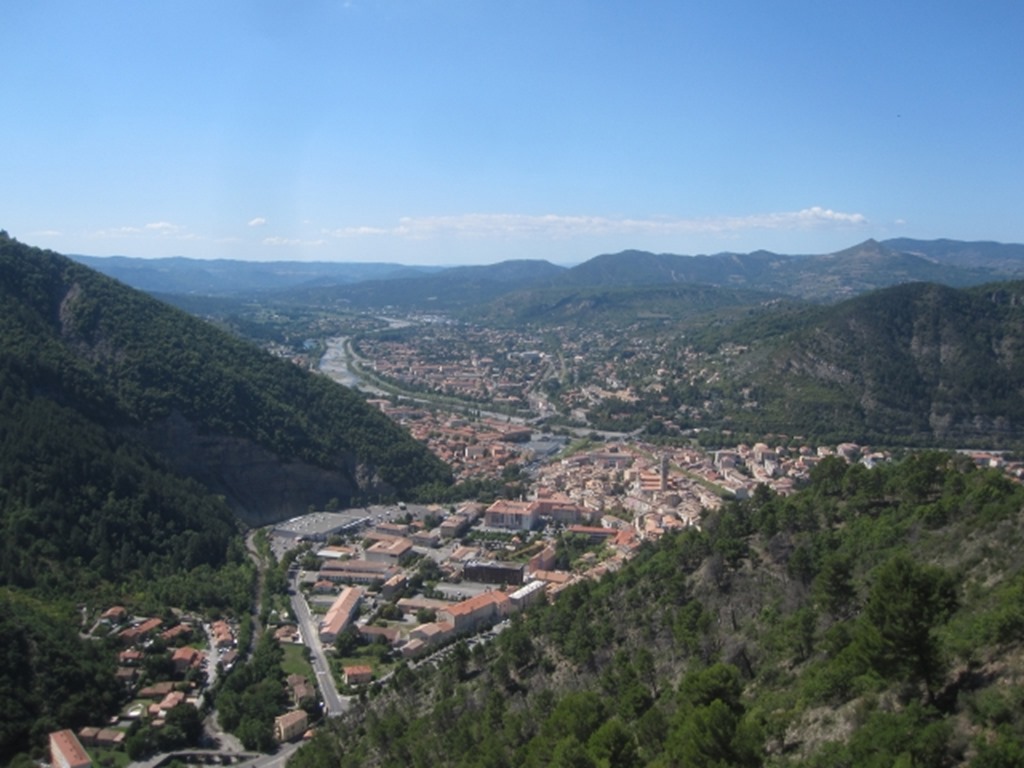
260,486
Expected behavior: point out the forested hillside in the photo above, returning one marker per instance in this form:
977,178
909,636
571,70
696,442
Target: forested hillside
270,437
874,618
651,308
912,364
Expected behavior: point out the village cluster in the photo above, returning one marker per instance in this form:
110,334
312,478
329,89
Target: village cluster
504,556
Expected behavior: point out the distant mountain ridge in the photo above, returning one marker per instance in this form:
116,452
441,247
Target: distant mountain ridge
225,277
816,277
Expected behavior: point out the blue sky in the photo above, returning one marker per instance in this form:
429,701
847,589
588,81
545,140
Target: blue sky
473,131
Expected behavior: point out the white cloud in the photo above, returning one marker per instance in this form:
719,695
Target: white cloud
259,221
158,228
163,227
555,226
292,241
117,232
357,231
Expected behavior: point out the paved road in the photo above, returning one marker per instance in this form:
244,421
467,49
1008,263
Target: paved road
244,759
308,626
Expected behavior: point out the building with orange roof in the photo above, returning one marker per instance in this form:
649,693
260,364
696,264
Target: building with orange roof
175,632
553,577
223,637
358,674
132,635
356,571
511,515
185,659
543,560
66,751
471,614
340,614
433,633
559,507
393,552
116,614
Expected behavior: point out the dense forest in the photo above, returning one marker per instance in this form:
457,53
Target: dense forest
914,364
137,368
874,618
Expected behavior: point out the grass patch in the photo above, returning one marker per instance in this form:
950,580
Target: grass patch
295,662
109,758
371,655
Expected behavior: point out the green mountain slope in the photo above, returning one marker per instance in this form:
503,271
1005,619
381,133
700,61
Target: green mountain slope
617,307
448,290
872,619
1005,258
226,277
914,363
129,370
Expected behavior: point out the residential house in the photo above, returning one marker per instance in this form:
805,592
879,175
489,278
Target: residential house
324,587
372,634
139,632
543,560
130,657
359,674
127,676
186,658
116,614
413,648
287,633
290,725
455,525
178,631
299,689
223,637
156,690
106,738
167,703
